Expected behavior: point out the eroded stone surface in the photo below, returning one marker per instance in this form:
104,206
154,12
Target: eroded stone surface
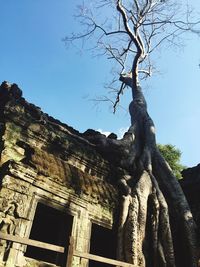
45,160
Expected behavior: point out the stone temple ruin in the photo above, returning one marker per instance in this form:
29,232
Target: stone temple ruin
58,194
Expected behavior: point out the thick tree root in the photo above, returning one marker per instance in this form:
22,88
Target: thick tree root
183,227
144,232
156,228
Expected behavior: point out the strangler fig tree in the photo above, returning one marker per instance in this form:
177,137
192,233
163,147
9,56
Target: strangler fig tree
156,228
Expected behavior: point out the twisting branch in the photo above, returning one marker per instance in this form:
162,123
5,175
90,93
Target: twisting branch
119,93
136,31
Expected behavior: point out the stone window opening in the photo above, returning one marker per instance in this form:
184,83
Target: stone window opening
51,226
103,243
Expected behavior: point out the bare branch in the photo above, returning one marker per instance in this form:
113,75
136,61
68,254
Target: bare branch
119,93
147,72
132,31
121,10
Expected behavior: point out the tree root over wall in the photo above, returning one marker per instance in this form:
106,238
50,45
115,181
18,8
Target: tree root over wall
156,228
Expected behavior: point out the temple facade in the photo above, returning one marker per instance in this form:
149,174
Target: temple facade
54,186
58,194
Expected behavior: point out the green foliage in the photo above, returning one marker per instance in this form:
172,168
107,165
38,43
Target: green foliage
172,155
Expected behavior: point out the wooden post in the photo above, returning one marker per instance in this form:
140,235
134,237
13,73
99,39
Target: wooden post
70,252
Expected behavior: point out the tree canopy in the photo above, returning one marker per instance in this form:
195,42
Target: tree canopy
172,155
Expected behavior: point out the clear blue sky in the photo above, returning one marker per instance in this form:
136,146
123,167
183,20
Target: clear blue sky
62,81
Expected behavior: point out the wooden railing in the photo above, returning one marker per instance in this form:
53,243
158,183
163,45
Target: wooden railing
71,251
30,242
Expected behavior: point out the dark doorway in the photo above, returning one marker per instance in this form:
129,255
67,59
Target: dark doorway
50,226
103,243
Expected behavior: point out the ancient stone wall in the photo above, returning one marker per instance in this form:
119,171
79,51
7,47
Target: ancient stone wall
44,160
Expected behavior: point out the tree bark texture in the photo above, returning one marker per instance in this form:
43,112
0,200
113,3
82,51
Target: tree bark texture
156,227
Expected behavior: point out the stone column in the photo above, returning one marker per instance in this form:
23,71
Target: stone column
81,233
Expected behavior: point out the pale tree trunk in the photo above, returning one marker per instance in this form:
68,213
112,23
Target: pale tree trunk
156,228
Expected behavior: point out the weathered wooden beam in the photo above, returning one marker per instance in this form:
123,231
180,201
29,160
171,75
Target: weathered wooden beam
102,259
71,252
30,242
